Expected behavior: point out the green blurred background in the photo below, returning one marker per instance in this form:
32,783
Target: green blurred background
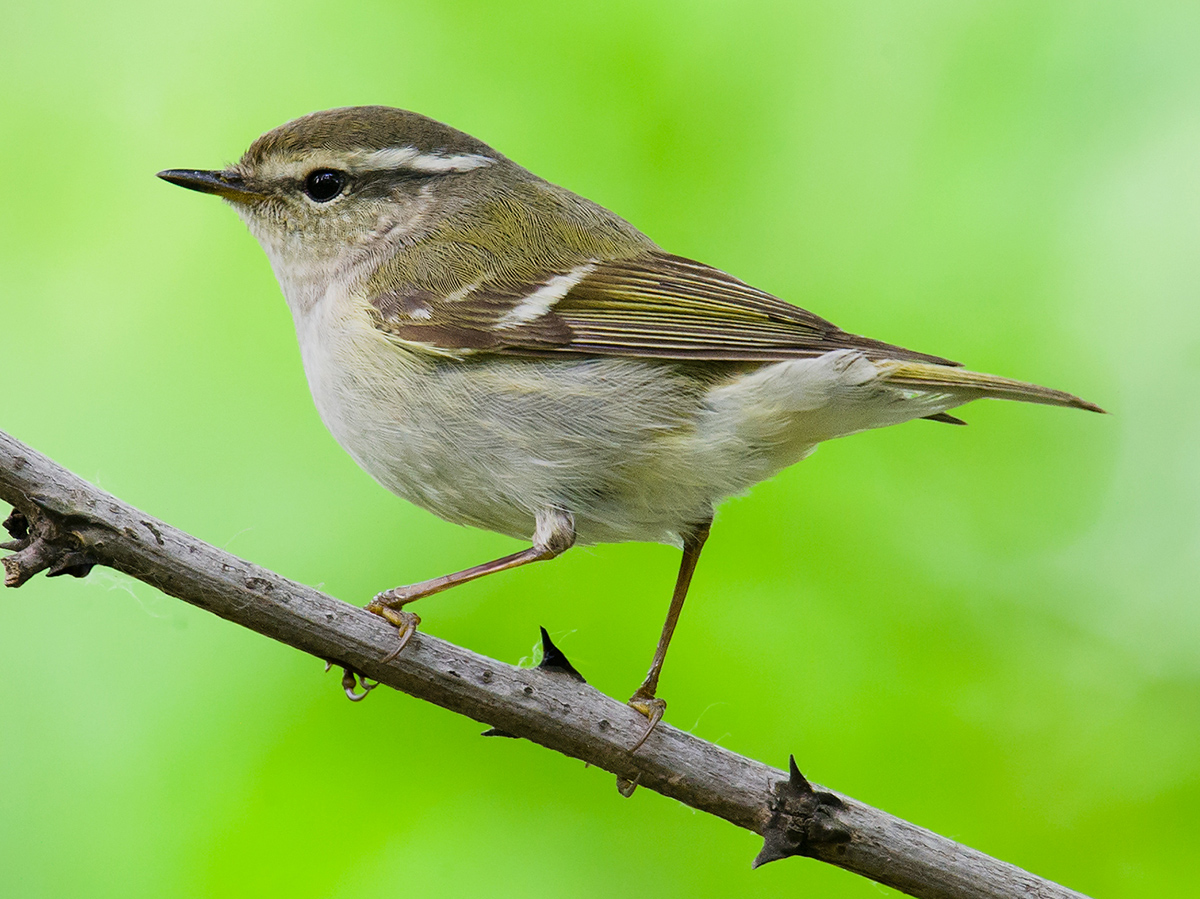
991,631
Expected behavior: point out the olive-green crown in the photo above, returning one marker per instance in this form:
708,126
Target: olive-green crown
366,128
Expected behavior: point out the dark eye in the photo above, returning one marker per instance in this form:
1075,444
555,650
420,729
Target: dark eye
324,184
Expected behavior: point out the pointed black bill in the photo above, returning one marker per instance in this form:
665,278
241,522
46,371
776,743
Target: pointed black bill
553,659
229,185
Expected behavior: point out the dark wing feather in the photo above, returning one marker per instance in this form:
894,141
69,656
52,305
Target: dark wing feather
652,306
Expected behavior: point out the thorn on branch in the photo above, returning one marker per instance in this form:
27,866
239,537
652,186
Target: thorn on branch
553,659
75,564
39,545
497,732
17,526
801,819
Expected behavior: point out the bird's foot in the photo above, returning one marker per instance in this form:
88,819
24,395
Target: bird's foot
389,605
644,702
652,707
350,682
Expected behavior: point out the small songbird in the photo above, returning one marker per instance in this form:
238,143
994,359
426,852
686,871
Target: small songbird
512,356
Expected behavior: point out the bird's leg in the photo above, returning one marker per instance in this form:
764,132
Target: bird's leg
553,535
644,699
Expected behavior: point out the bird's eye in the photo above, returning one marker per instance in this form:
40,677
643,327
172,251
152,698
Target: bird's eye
324,184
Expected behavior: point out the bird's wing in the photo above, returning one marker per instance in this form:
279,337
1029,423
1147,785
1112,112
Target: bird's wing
653,305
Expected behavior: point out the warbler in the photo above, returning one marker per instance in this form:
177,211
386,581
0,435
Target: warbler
511,356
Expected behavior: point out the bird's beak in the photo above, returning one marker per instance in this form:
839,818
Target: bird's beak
229,185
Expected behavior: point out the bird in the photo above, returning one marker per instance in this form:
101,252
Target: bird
512,356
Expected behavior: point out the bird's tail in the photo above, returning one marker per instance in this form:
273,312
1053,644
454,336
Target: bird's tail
971,385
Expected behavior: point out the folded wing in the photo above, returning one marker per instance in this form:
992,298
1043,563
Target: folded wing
654,305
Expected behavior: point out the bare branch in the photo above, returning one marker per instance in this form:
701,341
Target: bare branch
63,525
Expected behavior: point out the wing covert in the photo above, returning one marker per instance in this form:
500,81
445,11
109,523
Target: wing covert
653,305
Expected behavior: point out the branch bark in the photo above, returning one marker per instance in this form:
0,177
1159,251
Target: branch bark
64,525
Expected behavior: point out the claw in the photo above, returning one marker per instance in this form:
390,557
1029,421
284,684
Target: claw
351,680
626,787
349,683
404,622
653,708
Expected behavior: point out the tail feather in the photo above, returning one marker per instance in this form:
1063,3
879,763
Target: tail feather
924,376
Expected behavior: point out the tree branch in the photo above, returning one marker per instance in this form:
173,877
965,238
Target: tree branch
64,525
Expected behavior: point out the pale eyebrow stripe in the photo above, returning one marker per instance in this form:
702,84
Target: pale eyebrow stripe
542,300
368,161
411,158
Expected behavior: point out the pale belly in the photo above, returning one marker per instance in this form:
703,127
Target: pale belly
614,443
633,449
